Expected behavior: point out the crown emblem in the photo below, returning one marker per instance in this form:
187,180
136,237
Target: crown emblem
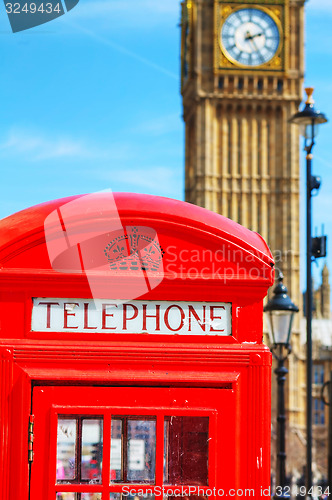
135,249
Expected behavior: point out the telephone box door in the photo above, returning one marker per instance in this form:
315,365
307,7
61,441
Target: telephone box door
112,443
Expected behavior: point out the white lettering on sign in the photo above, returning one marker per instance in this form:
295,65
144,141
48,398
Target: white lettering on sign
112,316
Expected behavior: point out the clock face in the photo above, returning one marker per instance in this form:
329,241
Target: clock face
250,37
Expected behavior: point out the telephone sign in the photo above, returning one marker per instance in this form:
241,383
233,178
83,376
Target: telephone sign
112,316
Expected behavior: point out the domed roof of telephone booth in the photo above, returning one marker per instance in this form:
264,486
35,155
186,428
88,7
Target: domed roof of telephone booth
194,243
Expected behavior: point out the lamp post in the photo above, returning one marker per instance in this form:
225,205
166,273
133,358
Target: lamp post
308,119
280,312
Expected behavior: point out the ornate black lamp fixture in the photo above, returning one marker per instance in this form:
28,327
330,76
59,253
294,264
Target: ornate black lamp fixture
308,119
280,312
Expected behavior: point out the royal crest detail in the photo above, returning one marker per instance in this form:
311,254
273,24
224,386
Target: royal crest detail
136,248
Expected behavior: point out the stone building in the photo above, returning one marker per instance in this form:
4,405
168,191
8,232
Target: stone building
242,79
322,367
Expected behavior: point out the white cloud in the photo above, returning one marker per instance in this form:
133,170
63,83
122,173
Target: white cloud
157,179
36,146
160,126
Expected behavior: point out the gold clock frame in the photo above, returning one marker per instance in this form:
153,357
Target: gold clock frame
278,64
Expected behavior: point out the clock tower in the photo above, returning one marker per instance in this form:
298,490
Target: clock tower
242,79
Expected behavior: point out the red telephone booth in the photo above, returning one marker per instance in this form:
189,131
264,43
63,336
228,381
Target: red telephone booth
131,355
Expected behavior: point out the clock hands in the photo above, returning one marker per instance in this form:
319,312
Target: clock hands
254,44
258,34
251,37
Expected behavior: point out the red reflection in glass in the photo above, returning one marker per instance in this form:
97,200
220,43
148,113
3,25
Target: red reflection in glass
186,450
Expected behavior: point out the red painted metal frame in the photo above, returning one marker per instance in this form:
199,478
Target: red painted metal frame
29,359
158,402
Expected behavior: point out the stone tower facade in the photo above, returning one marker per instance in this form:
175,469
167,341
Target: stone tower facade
321,296
239,90
242,78
325,293
241,153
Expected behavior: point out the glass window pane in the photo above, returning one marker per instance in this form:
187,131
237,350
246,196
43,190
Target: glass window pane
66,496
117,496
92,450
116,450
90,496
136,497
66,449
186,497
141,450
186,450
315,374
75,496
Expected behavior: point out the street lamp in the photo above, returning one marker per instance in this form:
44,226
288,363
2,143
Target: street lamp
280,312
308,119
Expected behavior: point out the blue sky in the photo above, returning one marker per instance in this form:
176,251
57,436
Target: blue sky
91,101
